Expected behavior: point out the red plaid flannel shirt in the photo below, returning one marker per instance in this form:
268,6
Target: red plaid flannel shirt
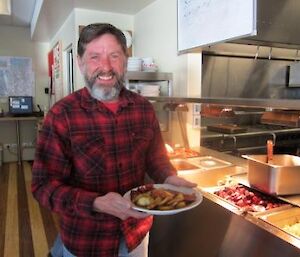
84,151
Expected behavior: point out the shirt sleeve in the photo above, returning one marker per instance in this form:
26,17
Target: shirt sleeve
158,163
52,171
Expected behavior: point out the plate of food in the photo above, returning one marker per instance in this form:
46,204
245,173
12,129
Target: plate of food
163,199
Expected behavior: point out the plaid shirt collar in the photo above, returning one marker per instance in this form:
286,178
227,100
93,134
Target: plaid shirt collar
89,103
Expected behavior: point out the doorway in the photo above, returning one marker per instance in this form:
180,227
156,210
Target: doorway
69,69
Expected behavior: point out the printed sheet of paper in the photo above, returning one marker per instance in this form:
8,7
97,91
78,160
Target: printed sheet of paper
16,76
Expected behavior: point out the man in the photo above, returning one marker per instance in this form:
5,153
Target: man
95,145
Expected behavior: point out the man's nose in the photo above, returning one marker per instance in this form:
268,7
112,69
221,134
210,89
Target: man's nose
105,63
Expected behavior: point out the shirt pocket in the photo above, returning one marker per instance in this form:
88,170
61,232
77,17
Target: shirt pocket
141,143
142,139
89,156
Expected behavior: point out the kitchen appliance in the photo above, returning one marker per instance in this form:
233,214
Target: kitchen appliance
226,128
294,75
279,176
285,220
287,118
209,162
20,105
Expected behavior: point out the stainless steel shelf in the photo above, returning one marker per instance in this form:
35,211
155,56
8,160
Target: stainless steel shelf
148,76
283,104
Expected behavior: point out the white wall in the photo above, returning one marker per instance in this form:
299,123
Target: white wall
155,34
66,36
16,41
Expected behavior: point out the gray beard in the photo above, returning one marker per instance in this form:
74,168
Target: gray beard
104,93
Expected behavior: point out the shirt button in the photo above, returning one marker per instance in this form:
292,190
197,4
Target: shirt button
120,165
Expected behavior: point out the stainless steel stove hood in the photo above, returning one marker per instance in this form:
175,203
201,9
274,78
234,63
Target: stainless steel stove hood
278,24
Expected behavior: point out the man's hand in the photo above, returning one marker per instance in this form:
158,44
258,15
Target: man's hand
116,205
179,181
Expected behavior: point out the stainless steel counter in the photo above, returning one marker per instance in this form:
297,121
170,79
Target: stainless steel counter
216,227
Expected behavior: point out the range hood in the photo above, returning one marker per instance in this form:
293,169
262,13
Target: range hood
277,24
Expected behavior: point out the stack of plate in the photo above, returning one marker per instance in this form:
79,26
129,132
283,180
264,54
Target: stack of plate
148,64
149,90
134,64
150,67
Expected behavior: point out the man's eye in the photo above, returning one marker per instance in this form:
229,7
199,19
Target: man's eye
115,56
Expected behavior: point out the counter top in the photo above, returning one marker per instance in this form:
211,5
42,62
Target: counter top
19,118
207,181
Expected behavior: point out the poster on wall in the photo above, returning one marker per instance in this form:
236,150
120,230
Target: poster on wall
57,72
16,76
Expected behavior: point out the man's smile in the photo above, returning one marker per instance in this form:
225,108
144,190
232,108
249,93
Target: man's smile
105,77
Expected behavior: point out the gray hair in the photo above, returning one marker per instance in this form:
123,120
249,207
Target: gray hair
95,30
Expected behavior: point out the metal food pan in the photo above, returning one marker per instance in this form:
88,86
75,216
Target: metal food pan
209,162
283,219
281,176
182,164
251,208
212,178
185,167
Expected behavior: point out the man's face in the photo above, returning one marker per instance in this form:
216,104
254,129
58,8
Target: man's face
103,66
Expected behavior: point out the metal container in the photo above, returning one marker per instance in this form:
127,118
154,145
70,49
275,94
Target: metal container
209,162
280,176
210,179
182,165
285,220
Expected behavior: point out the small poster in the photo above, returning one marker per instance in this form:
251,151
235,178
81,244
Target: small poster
57,75
16,76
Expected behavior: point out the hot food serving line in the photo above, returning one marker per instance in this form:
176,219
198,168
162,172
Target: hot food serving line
236,218
251,206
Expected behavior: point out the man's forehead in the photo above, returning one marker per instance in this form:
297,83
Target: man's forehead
105,41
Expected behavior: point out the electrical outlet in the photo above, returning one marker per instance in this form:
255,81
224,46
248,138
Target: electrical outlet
196,121
196,109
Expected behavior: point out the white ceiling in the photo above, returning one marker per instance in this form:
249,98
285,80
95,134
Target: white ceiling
22,11
55,12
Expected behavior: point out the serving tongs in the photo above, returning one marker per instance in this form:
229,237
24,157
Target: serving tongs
270,151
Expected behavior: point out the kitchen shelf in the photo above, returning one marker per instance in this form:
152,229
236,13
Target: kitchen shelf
148,76
283,104
165,79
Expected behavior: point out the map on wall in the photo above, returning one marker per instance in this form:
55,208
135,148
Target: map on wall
16,76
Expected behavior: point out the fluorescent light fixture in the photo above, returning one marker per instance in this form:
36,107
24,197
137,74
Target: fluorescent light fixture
5,7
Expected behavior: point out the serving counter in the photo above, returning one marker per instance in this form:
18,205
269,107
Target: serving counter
218,228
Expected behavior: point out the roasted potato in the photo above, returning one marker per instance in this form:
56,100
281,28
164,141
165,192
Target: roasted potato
160,199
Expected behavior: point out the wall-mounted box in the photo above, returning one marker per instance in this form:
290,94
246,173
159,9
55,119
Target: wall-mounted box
294,75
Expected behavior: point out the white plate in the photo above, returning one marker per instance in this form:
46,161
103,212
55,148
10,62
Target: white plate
184,190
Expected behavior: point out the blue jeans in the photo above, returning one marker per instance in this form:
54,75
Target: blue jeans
59,250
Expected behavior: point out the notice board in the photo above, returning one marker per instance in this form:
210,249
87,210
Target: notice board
207,22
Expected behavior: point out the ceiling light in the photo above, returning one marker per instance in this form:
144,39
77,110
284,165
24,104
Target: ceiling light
5,7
